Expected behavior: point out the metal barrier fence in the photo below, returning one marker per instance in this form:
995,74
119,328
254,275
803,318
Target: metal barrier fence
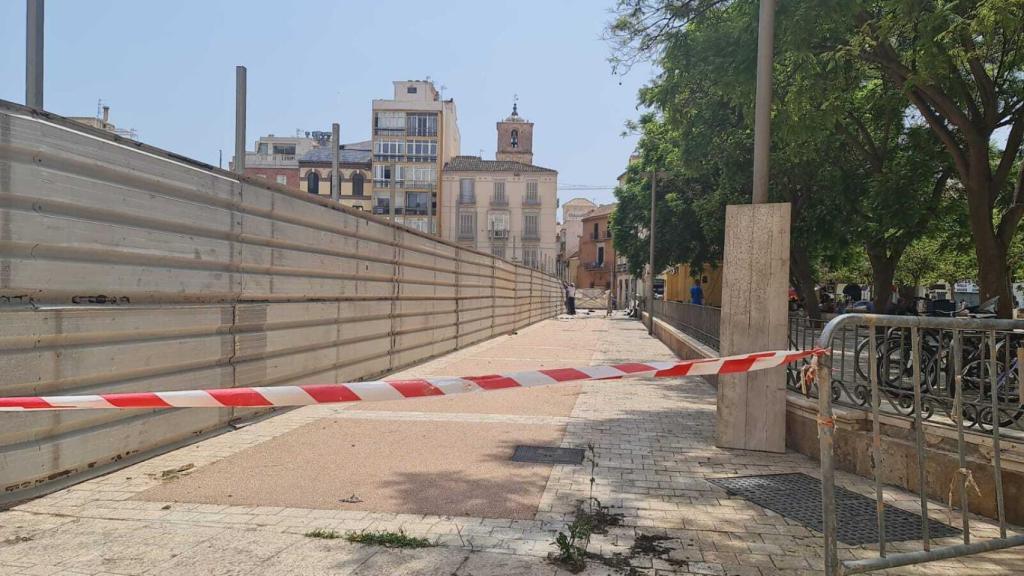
892,350
920,366
701,322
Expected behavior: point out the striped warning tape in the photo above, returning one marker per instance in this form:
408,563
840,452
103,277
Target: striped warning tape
379,390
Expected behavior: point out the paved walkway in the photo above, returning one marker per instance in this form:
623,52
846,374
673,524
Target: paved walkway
438,468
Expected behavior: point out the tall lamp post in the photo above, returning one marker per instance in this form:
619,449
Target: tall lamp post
763,100
650,273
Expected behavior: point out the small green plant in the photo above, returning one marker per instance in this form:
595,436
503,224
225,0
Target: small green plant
324,534
572,547
388,539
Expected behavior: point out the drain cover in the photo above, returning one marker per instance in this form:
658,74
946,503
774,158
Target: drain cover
548,455
798,496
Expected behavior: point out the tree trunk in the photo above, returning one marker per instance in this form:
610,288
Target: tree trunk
993,274
801,268
883,271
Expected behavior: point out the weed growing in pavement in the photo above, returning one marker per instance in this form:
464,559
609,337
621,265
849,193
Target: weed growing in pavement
323,534
388,539
590,518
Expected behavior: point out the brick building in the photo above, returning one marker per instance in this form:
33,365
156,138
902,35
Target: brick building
597,255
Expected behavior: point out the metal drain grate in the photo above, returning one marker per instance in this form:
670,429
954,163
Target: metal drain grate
798,496
548,455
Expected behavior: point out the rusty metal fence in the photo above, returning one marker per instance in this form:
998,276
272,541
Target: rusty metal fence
963,370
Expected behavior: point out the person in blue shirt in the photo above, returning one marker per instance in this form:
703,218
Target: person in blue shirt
697,294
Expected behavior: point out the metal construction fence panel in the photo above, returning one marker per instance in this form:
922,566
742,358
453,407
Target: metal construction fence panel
964,372
124,267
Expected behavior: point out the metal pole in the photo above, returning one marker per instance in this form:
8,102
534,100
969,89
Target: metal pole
34,54
239,119
650,284
763,99
394,185
335,152
430,212
826,427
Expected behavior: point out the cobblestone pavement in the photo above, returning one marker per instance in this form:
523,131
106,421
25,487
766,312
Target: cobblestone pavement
652,441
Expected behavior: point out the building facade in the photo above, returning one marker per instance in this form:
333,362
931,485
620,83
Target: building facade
413,135
597,254
354,168
504,206
569,232
276,158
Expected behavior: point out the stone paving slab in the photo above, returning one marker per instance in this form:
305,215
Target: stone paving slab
653,441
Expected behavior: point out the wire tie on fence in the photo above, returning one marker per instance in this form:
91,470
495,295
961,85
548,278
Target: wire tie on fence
826,422
808,374
968,482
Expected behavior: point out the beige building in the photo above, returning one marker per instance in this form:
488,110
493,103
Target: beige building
354,173
573,212
505,206
413,135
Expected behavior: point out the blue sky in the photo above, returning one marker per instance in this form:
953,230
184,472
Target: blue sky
167,70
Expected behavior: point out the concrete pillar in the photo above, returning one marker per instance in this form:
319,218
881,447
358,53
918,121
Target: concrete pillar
335,152
751,411
34,10
239,119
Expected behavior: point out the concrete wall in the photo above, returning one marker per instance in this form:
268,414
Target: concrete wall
125,268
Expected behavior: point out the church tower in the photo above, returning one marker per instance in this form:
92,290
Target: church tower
515,138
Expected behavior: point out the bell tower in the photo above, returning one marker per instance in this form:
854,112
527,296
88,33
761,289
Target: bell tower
515,138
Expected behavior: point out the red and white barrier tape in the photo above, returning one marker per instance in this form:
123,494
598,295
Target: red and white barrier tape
380,390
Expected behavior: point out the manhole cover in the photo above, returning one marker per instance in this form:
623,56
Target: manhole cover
548,455
798,496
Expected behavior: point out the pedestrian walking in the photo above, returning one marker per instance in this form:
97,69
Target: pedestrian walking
570,298
697,293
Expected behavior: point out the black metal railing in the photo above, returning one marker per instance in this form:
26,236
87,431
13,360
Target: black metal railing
701,322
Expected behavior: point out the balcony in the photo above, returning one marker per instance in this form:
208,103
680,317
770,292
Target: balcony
595,266
464,235
253,160
501,202
389,131
531,201
467,199
531,235
497,234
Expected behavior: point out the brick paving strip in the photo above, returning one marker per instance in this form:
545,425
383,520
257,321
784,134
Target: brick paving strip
654,447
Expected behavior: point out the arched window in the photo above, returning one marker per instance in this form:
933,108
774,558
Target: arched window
357,183
515,138
313,182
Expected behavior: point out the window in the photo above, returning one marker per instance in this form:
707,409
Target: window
382,174
532,196
282,179
467,194
418,224
261,148
498,250
467,225
284,149
515,138
313,182
530,227
600,255
595,235
499,193
389,122
498,222
420,176
390,148
417,202
421,124
422,150
410,90
357,183
531,257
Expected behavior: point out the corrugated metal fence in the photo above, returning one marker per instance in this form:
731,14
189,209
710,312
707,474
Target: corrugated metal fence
124,267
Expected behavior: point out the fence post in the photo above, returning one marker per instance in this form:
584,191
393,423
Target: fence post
826,427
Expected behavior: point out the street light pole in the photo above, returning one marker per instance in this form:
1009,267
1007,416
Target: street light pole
335,152
650,274
763,100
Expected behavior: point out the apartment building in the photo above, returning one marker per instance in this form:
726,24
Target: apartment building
597,254
505,206
413,135
573,212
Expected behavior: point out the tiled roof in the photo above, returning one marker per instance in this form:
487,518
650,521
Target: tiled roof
354,153
476,164
601,210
